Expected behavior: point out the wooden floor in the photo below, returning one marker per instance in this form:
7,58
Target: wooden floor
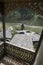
9,61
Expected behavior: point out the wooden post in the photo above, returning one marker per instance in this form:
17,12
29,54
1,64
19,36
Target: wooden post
3,21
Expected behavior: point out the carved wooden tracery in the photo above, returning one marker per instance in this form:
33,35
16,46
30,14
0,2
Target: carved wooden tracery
35,5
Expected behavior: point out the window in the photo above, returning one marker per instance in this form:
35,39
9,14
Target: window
24,23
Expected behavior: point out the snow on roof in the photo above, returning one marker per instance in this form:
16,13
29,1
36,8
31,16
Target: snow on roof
21,30
23,41
34,37
8,34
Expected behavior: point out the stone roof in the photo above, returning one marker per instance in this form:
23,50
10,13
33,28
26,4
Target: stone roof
23,41
34,36
8,34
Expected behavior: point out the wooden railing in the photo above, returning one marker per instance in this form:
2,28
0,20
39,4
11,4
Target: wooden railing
1,50
23,54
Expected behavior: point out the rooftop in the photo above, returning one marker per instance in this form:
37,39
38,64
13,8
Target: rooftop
34,36
23,41
8,34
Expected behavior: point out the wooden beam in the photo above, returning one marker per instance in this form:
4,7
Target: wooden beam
3,21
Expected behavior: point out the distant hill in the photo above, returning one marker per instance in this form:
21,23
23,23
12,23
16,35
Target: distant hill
24,15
